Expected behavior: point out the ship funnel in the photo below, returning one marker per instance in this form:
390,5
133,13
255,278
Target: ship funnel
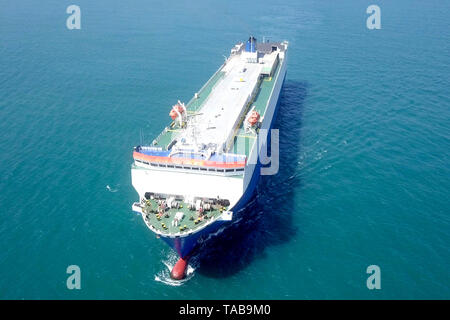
251,45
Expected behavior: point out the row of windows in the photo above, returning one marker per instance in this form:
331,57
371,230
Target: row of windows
187,167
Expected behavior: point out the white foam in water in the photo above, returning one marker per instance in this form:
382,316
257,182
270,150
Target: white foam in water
164,275
111,189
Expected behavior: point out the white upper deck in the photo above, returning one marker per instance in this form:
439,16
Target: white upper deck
217,117
211,127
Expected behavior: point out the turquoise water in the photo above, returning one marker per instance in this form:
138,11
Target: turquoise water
364,130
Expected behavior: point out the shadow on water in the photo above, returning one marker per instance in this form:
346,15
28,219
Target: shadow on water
267,220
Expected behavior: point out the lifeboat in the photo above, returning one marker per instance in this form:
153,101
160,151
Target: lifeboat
177,110
253,118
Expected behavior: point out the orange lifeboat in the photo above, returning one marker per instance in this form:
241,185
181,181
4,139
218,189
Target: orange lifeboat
253,118
176,110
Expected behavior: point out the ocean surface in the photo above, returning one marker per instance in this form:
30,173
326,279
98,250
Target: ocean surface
364,124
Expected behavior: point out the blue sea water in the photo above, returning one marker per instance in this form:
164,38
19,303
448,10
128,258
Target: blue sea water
364,131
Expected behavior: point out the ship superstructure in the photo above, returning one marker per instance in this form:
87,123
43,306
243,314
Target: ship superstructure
203,167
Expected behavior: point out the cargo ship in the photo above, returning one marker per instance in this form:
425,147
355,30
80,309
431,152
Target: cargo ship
204,166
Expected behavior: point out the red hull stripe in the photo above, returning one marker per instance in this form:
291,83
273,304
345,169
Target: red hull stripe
186,161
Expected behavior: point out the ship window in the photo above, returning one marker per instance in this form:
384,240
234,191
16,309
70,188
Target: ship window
229,170
179,167
203,169
211,169
188,168
219,170
153,164
240,169
162,165
170,166
194,168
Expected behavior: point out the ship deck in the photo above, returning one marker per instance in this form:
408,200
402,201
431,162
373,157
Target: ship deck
242,141
162,223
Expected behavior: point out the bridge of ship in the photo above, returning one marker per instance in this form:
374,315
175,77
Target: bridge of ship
228,163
